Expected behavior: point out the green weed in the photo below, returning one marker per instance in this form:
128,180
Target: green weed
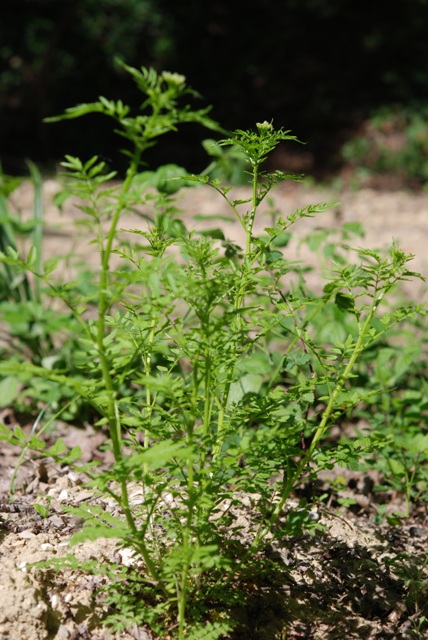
395,141
210,364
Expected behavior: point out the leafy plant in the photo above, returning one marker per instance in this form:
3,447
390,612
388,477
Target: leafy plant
413,571
395,141
43,509
206,362
32,330
20,299
397,412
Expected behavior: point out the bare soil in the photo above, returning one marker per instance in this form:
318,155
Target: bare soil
334,585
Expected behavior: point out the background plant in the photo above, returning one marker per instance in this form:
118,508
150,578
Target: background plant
52,50
398,412
34,329
395,141
207,362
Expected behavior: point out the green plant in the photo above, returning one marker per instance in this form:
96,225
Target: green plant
397,412
395,141
32,328
20,299
42,508
413,571
206,363
14,285
228,164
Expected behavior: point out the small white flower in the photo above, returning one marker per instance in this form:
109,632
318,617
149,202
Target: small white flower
264,126
173,78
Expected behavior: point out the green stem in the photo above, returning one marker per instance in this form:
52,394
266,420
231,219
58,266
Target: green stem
359,347
207,390
254,204
112,412
38,219
187,539
103,304
147,368
324,424
239,301
182,590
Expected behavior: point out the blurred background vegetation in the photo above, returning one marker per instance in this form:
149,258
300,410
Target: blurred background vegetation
348,76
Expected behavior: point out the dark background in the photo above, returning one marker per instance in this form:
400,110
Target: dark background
317,67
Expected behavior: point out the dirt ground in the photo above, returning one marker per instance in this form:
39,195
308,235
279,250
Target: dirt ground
339,585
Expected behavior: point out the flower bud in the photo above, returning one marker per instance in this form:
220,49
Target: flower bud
264,126
173,78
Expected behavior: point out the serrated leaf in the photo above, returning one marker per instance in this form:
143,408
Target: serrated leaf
5,433
355,228
282,240
249,383
76,112
215,234
102,531
258,363
57,448
416,444
344,302
19,435
208,631
213,216
167,179
130,421
160,454
200,179
9,389
51,264
241,201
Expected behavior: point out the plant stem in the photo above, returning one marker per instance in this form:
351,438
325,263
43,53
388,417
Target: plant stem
291,483
112,412
103,304
254,204
38,219
187,538
239,299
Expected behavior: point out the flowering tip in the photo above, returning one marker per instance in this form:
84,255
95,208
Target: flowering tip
264,126
173,78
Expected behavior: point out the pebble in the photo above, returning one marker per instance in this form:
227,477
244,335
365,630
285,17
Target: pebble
63,495
27,534
56,521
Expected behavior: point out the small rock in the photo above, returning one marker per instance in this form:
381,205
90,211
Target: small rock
56,521
62,633
27,534
63,495
73,477
83,496
54,601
